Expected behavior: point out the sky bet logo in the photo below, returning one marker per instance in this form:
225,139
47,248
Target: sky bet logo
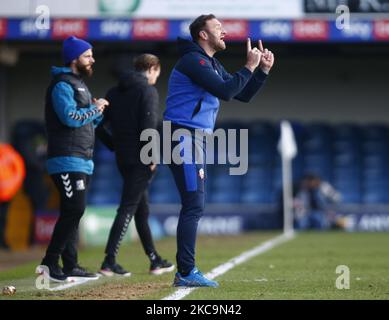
146,29
184,28
360,30
117,28
28,28
310,30
381,30
276,29
236,29
63,28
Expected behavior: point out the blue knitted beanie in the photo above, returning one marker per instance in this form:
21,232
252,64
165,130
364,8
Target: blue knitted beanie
73,48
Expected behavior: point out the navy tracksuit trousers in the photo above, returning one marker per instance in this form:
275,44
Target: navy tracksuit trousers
190,181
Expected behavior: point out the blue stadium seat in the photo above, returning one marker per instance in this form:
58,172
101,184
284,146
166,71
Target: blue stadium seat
104,155
375,161
317,159
165,195
257,196
375,174
224,196
106,183
262,129
350,189
346,159
316,144
163,171
347,146
106,169
318,129
346,131
222,187
375,132
350,197
378,148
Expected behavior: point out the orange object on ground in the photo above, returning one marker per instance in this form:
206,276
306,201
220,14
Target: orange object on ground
12,172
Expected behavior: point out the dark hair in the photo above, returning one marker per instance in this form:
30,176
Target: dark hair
146,61
198,25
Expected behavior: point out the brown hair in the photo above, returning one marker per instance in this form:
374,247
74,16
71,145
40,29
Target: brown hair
146,61
198,25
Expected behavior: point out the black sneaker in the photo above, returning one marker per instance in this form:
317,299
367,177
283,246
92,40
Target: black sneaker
80,272
160,266
110,270
53,271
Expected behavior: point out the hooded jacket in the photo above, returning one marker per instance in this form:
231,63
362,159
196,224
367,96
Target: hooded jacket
198,81
133,107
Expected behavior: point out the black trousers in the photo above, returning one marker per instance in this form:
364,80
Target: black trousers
134,202
72,187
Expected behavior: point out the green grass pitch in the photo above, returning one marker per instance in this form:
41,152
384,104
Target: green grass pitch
302,268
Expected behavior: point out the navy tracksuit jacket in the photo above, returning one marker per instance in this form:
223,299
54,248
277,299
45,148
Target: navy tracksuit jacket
196,84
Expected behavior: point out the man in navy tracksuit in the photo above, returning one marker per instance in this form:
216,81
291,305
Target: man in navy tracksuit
196,84
71,116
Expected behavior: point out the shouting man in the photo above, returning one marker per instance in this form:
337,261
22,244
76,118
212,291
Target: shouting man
196,84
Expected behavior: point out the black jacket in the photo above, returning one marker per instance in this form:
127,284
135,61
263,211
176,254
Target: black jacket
133,107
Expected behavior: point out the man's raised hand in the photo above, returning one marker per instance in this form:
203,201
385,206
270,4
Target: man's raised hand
267,60
253,56
260,46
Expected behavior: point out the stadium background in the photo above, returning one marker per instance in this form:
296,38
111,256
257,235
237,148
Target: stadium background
330,83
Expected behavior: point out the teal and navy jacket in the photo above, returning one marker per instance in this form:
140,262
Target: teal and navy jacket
70,120
198,81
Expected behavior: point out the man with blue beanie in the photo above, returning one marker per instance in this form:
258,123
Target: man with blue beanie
71,116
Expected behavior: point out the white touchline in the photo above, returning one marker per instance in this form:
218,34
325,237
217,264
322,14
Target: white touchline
223,268
70,284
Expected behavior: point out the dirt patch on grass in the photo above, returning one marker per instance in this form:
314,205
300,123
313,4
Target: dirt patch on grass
118,291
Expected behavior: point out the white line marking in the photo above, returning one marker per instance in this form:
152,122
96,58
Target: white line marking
71,284
223,268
